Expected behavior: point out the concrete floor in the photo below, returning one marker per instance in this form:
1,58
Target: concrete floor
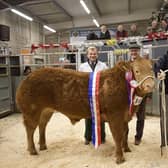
66,147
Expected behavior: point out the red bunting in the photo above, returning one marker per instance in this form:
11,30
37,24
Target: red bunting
158,35
47,46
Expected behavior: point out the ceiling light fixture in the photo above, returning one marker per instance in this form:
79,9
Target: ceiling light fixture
96,22
85,6
22,14
49,28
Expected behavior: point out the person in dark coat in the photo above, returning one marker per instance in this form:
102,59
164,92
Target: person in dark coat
104,34
164,25
71,56
134,31
162,64
92,36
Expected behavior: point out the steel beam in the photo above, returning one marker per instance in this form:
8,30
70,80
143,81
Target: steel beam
129,6
62,9
96,8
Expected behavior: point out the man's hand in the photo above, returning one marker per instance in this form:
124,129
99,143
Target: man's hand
161,75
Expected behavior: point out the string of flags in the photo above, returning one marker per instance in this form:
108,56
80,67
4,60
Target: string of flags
47,46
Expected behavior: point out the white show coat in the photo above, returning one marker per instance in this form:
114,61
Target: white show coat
85,67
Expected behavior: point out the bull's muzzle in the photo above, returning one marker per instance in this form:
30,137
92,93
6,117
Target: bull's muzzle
148,84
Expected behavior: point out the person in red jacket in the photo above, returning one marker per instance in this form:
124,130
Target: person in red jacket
121,33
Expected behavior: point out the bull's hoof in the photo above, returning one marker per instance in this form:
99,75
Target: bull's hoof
43,147
33,152
120,160
127,149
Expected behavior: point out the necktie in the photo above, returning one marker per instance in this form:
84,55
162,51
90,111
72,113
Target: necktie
92,66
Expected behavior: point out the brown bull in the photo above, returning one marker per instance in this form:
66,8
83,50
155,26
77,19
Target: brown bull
66,91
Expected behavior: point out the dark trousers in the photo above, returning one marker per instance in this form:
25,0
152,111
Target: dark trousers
88,130
164,127
140,119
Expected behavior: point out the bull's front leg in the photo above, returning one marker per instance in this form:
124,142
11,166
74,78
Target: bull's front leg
117,130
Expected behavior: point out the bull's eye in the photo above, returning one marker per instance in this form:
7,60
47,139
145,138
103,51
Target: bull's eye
137,72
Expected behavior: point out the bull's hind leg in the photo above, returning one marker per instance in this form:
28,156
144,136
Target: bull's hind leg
44,118
117,130
125,139
30,128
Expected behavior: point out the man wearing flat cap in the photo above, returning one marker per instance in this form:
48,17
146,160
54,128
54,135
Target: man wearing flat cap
140,113
134,51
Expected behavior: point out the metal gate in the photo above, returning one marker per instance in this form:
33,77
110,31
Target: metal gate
5,86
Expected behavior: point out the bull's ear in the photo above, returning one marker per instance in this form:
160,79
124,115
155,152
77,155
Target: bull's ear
152,62
125,65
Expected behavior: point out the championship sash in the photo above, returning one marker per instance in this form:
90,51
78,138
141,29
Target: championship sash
131,86
93,93
131,90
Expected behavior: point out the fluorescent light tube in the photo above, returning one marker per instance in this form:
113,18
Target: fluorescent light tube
85,6
49,28
96,22
22,14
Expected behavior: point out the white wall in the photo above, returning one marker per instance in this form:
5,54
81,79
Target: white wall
23,33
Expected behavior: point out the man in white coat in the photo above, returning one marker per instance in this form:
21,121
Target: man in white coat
92,64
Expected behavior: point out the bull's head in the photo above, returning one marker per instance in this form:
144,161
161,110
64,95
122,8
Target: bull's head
143,74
